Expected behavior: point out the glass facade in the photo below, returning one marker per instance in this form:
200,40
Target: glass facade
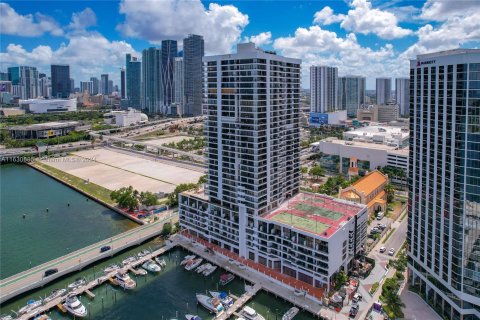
193,52
60,75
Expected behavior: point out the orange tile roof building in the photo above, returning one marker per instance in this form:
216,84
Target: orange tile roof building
368,190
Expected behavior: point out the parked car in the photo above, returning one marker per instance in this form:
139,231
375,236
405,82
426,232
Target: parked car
391,252
357,297
380,215
105,248
374,230
381,226
51,271
353,311
383,249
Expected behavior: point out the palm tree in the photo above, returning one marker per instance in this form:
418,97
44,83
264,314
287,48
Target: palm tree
392,299
390,191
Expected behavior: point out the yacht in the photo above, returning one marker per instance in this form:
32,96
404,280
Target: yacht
31,304
124,280
209,271
77,284
160,261
194,263
5,317
203,267
75,307
143,253
226,278
111,268
129,260
224,298
151,266
251,314
211,304
192,317
139,272
55,294
187,258
290,314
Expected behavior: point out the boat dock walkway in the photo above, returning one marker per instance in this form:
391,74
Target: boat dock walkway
77,260
258,279
58,302
239,303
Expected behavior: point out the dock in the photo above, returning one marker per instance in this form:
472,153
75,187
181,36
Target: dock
86,289
35,277
239,303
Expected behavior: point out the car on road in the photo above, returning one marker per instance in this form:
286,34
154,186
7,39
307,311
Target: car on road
105,248
354,311
49,272
391,252
357,298
383,249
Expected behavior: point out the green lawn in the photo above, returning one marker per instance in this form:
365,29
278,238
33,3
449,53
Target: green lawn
311,209
300,222
92,189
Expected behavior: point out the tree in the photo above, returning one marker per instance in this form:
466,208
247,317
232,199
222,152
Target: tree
166,229
394,303
202,179
303,170
125,197
317,171
173,197
390,191
148,198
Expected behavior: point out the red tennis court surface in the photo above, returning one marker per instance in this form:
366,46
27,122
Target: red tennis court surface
315,213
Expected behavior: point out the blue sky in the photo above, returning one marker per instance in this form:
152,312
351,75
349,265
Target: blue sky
364,37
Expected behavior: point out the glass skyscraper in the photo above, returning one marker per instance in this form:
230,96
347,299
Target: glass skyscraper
444,182
152,94
25,81
193,52
133,81
169,53
383,89
351,94
402,96
60,75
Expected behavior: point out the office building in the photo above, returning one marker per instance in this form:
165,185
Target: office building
4,76
179,73
61,82
24,81
383,113
86,86
193,52
123,83
133,81
323,89
402,96
169,53
252,201
383,90
72,85
110,87
443,232
152,94
104,84
95,86
351,94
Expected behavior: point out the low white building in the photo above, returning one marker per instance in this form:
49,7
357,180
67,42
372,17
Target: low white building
379,134
125,118
49,105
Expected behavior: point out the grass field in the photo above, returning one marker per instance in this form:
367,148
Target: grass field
311,209
300,222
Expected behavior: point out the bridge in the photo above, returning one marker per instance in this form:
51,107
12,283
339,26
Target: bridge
35,277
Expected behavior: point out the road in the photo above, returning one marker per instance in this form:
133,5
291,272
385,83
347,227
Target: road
76,260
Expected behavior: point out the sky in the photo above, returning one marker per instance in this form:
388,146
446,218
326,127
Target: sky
371,38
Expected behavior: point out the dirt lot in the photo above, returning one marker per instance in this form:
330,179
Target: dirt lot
166,140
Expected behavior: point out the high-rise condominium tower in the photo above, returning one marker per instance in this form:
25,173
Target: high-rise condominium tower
444,181
193,51
104,83
169,52
323,89
133,83
383,90
123,83
402,96
60,75
179,80
95,86
152,94
351,94
24,81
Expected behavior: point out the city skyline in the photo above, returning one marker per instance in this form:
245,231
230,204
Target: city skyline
331,33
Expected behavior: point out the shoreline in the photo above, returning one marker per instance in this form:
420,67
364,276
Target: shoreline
103,203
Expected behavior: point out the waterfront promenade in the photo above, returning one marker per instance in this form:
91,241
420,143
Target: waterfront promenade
34,277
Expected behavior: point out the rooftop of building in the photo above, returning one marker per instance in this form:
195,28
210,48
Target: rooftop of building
447,53
47,125
370,182
197,193
315,213
364,145
44,100
388,132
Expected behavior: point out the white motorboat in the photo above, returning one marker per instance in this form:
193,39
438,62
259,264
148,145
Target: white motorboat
209,271
77,284
143,253
75,307
203,267
129,260
224,298
5,317
140,272
290,314
211,304
160,261
55,294
31,304
124,280
195,263
151,266
251,314
187,258
111,268
192,317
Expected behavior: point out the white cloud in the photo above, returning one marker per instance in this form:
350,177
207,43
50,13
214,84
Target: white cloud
326,16
82,20
88,55
441,10
26,25
220,25
260,39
